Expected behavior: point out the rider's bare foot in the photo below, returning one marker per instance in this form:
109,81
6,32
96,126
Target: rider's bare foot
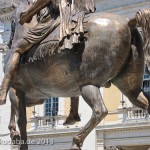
2,98
72,119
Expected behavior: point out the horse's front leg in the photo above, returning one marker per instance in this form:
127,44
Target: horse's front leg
14,134
22,120
92,96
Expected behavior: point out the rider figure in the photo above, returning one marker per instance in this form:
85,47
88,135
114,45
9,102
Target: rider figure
60,12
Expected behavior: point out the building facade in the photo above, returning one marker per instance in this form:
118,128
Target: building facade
5,15
125,128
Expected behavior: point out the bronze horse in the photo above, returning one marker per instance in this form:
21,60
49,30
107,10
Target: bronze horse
111,53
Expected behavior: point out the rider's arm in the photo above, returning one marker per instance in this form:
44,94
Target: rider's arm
35,8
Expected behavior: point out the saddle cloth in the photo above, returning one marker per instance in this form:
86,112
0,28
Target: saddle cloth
49,46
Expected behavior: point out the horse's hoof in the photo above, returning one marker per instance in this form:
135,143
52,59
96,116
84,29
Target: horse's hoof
15,136
72,119
69,122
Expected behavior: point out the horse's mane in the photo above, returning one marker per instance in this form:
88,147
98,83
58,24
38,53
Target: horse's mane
143,19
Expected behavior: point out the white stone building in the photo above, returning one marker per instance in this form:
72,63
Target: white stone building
5,14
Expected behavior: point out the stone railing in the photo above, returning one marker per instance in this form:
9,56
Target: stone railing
3,48
133,114
47,121
111,148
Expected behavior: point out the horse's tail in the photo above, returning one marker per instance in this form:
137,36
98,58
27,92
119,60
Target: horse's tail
142,19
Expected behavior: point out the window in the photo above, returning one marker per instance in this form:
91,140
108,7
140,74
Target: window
146,76
146,86
51,106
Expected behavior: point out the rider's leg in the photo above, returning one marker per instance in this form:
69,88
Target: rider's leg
21,47
73,116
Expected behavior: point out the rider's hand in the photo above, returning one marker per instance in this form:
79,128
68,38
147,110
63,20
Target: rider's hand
24,18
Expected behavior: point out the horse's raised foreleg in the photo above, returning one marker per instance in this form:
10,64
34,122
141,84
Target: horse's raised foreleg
92,96
14,134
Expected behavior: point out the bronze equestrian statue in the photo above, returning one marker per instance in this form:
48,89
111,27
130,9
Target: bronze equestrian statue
82,53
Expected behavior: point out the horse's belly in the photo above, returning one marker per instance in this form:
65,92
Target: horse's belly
59,84
65,89
51,80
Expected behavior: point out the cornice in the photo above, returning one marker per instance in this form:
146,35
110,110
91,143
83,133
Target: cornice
129,10
124,127
104,5
54,132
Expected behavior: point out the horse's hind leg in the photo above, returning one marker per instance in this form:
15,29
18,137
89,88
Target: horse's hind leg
132,89
92,96
129,81
14,134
